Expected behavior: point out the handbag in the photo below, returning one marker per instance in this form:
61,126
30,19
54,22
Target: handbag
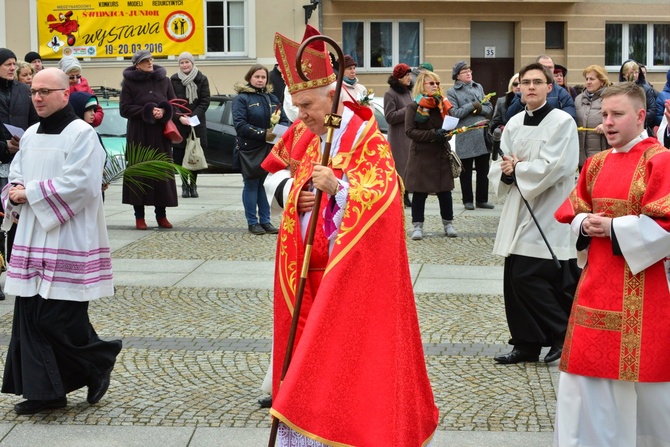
194,156
454,163
250,162
170,131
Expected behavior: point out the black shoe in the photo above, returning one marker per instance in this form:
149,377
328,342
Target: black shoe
194,191
265,402
35,406
485,205
185,191
269,228
553,354
98,387
2,295
516,356
256,229
469,206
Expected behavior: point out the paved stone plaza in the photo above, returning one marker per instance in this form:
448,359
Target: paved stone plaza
193,306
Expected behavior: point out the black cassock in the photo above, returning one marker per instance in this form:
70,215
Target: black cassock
54,349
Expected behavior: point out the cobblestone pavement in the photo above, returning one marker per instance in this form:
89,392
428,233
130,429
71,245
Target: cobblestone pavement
197,356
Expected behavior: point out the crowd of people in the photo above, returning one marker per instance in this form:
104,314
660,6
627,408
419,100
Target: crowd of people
611,222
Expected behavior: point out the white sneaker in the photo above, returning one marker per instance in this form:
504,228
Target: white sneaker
449,230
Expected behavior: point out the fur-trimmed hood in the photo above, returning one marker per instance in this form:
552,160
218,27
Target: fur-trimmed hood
246,88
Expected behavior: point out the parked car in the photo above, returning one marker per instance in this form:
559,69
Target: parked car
112,130
221,135
378,104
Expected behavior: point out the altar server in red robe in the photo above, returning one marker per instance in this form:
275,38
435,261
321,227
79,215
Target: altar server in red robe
614,385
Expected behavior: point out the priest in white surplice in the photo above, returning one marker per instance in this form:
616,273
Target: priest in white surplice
61,257
613,388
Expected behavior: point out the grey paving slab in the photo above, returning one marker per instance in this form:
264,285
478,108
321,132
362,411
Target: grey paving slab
462,272
141,278
184,266
490,439
458,286
32,435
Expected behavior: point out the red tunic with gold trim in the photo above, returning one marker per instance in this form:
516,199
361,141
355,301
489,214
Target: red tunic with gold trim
358,375
619,327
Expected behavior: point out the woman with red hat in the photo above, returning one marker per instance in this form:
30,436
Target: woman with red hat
396,99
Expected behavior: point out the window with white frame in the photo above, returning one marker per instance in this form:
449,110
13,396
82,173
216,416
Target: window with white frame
225,27
647,43
378,45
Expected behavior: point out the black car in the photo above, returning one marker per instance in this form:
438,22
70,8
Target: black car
221,133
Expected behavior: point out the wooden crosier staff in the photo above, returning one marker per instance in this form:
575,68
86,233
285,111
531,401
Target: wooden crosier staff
332,122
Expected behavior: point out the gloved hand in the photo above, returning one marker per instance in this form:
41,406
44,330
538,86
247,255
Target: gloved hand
478,108
269,136
441,136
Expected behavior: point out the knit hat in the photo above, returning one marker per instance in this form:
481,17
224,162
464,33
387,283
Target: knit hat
460,65
348,62
6,54
427,65
32,56
69,63
186,55
400,70
82,101
140,56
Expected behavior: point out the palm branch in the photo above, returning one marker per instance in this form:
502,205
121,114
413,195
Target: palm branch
140,164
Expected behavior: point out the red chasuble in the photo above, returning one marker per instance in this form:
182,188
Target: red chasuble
358,375
619,326
290,149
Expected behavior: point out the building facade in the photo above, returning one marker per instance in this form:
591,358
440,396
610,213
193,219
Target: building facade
228,36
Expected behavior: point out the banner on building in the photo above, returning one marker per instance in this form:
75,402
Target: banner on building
104,29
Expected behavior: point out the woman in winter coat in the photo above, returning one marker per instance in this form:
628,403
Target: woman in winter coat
663,96
466,97
428,167
190,84
72,68
16,108
396,99
630,71
588,106
498,119
145,96
353,91
253,111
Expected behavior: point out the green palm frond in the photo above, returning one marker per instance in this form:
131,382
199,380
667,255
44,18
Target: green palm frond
141,164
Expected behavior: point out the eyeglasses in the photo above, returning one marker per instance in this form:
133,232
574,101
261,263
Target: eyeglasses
73,77
44,92
527,82
515,84
466,71
431,83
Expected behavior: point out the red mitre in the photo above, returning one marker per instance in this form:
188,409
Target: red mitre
315,62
